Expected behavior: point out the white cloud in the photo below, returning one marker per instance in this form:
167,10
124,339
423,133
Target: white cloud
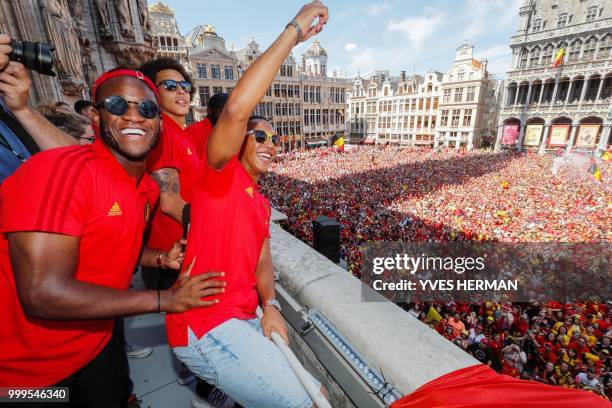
350,46
495,52
485,17
416,29
376,9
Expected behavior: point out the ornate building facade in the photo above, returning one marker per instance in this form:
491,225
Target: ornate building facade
464,111
304,104
89,36
566,103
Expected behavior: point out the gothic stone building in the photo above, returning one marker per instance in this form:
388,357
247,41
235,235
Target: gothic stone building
567,106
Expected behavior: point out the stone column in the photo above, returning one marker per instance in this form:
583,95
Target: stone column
570,144
458,141
447,140
528,94
604,138
554,94
498,139
541,93
519,142
569,92
470,140
542,148
516,94
585,84
600,89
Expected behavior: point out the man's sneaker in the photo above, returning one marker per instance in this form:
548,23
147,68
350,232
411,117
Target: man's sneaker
133,351
216,399
185,377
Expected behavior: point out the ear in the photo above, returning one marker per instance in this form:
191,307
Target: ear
95,118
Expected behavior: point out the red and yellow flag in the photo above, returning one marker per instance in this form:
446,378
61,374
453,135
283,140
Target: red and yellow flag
559,58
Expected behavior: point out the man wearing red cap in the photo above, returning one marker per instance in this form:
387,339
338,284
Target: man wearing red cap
73,220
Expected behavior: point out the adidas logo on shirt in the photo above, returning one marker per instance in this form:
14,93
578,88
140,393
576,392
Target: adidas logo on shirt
249,191
115,210
189,152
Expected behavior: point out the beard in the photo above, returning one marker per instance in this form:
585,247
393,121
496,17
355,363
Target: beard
111,142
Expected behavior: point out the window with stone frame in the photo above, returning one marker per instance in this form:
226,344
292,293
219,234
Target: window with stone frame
201,70
534,56
283,90
444,118
229,72
435,103
204,92
574,51
588,53
455,117
592,13
537,25
306,117
458,95
523,59
296,91
277,90
471,94
562,20
467,117
547,55
605,47
215,72
447,95
460,75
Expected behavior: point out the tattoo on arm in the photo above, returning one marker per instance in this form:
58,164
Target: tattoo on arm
167,180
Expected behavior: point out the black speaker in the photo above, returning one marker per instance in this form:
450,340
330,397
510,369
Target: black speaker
326,238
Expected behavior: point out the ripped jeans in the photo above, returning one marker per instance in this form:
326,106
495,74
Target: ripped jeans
236,357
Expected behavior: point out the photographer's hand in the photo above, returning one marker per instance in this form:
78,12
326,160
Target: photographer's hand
5,50
15,84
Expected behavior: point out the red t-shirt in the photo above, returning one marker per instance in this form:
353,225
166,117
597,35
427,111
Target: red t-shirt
80,191
198,135
173,151
229,223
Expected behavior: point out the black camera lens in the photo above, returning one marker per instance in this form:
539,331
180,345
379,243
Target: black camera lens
35,56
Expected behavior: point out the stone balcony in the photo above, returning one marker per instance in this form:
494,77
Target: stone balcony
560,107
570,69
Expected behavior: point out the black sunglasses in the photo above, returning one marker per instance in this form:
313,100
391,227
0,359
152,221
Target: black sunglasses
91,139
261,137
118,106
172,85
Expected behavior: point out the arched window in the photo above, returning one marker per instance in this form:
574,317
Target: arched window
547,55
562,20
605,47
523,59
589,49
534,57
574,51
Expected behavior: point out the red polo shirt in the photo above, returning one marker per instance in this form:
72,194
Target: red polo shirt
198,135
229,223
83,192
173,151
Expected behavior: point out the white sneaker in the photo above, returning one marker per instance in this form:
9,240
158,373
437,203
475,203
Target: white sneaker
134,351
198,402
185,377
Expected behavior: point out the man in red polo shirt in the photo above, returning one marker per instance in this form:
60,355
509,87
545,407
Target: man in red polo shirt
73,220
225,344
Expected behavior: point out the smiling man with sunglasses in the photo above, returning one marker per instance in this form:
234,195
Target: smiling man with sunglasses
73,220
226,344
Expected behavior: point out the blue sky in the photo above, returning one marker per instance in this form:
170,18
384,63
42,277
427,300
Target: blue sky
364,35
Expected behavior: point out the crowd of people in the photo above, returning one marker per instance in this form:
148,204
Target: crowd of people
558,344
386,193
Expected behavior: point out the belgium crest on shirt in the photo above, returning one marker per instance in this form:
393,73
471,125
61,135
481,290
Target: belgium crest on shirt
147,212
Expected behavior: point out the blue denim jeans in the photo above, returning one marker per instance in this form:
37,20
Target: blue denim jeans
236,357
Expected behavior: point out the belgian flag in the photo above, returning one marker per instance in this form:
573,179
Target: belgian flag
559,58
338,141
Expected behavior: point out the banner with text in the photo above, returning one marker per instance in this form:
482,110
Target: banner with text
475,271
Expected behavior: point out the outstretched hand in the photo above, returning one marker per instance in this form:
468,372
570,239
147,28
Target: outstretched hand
311,18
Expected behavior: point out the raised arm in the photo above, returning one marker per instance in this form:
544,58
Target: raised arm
15,86
229,132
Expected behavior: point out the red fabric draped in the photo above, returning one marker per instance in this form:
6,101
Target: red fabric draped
481,387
